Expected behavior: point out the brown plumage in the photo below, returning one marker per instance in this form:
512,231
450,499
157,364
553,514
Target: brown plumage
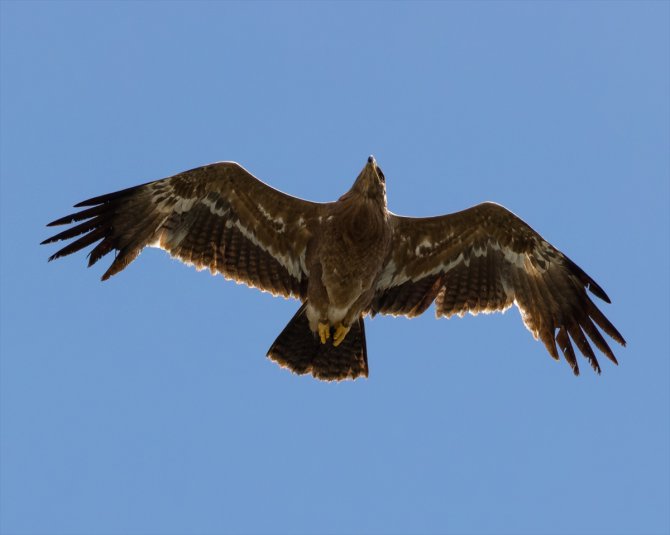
347,259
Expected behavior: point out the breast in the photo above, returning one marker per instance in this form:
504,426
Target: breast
355,245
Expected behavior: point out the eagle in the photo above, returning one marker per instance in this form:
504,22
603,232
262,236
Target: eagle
347,259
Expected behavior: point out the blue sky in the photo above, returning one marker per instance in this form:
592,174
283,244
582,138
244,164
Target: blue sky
146,405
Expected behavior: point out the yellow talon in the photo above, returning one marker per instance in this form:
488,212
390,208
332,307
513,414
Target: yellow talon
324,332
340,332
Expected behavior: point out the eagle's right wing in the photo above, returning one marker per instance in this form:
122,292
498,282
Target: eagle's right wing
218,216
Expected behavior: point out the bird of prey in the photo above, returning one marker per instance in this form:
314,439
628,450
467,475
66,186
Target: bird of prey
347,259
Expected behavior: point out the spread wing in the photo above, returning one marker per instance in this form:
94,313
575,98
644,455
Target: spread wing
485,259
218,216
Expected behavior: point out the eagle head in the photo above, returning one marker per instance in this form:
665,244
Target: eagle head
371,182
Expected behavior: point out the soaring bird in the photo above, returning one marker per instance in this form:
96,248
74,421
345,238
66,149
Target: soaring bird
347,259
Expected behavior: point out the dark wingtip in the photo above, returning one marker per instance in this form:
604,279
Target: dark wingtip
93,201
621,340
594,364
62,221
100,199
598,291
88,202
588,282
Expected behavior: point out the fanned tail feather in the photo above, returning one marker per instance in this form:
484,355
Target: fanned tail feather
300,350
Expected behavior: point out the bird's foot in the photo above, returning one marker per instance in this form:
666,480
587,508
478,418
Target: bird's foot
340,332
324,331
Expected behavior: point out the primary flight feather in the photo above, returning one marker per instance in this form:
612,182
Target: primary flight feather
346,259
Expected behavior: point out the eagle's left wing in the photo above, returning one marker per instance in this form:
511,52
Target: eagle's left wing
218,216
485,259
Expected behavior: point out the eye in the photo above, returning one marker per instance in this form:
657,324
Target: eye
381,175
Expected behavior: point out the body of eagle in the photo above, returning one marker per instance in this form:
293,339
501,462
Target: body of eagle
347,259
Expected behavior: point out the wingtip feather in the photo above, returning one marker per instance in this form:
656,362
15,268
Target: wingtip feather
87,202
596,290
66,220
101,199
587,281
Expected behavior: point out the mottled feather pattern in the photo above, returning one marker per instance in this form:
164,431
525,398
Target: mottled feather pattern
196,217
409,298
486,259
476,287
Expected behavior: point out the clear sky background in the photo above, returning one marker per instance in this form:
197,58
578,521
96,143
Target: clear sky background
145,405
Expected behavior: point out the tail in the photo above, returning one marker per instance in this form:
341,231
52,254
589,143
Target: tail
300,350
